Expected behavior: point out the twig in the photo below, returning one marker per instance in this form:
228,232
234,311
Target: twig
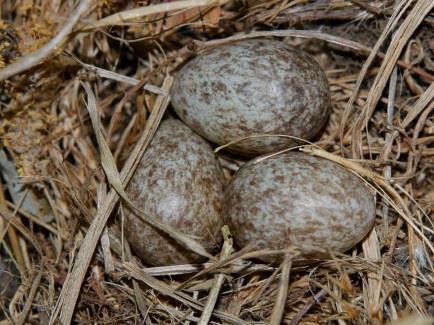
388,142
308,306
35,285
279,306
218,279
29,61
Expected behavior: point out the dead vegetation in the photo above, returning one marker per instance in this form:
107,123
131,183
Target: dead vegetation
84,86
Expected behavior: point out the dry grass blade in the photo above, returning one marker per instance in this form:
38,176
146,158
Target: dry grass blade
104,73
279,306
425,99
293,33
309,305
71,288
28,305
218,279
284,136
138,292
105,240
371,250
29,61
123,17
234,267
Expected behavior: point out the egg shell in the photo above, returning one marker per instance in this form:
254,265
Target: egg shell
180,181
298,199
251,87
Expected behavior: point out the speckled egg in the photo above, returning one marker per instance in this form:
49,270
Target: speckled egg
298,199
180,181
252,87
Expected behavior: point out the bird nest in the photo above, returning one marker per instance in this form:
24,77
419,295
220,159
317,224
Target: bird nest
84,85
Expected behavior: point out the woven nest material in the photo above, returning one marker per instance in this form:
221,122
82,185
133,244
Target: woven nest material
84,85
